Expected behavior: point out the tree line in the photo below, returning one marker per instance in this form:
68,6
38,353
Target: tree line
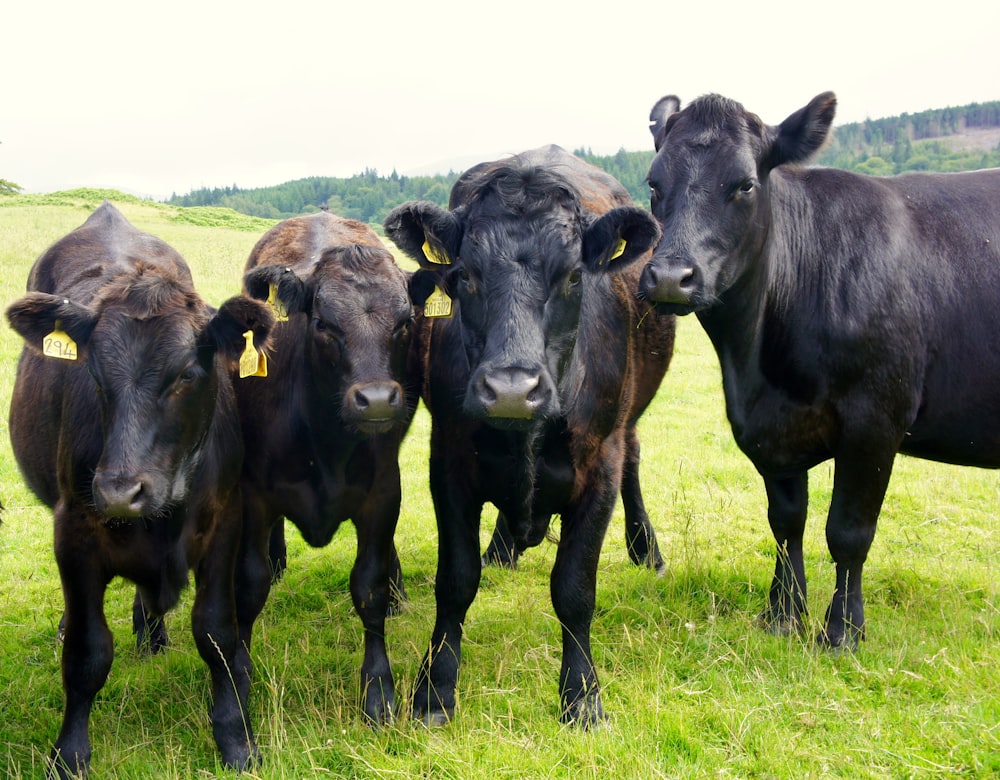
909,142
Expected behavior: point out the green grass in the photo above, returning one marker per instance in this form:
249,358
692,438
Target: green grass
692,687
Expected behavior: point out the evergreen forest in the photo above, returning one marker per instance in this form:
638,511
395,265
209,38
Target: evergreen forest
924,141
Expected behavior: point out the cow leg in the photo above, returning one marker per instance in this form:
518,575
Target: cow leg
459,570
859,486
787,505
217,634
371,590
87,653
397,590
640,538
150,629
277,552
501,550
573,586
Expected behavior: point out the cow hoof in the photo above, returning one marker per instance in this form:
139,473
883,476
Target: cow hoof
779,625
500,559
242,760
839,643
586,715
432,720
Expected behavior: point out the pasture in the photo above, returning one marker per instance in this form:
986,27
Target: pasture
693,688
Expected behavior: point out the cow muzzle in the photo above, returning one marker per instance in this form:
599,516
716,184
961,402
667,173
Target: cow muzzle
675,284
510,397
374,407
121,495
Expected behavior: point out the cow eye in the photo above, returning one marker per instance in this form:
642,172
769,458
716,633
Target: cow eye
575,277
747,187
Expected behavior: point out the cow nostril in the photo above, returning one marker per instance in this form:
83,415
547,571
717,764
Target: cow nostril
360,400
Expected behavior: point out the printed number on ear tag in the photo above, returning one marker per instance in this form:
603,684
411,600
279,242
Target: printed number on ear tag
252,362
59,345
438,304
277,305
435,256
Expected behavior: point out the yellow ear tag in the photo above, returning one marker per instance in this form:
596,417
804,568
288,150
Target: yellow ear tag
252,362
432,254
619,250
58,344
438,304
277,305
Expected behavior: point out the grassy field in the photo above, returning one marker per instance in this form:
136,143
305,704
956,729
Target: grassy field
692,687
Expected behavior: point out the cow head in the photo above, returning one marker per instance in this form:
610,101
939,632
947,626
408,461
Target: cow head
517,258
149,345
709,190
359,320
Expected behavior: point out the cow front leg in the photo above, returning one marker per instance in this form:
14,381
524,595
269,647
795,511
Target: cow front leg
787,506
87,654
640,538
459,570
859,487
573,586
217,635
371,591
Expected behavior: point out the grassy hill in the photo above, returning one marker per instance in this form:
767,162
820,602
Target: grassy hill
693,688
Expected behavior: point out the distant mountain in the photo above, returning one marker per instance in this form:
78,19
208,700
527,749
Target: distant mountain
948,139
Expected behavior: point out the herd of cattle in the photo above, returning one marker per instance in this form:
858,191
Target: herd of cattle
853,318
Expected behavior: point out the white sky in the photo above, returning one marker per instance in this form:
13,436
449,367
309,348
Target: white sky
157,98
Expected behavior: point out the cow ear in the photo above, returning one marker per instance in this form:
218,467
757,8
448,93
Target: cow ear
664,108
36,316
805,132
428,233
618,238
289,289
422,285
234,318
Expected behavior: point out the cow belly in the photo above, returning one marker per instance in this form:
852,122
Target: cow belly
964,443
317,516
785,439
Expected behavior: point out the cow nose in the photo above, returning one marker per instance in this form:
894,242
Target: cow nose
513,393
667,283
119,495
375,400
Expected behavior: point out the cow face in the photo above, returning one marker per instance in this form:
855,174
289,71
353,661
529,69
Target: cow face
709,192
515,259
149,348
359,322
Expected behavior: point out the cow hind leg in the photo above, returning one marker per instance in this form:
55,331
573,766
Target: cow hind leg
788,501
277,551
501,550
640,538
150,630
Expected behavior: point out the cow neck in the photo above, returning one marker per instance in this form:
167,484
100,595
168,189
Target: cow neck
734,324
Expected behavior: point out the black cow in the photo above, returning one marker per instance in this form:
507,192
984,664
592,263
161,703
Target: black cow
532,384
123,420
854,318
323,429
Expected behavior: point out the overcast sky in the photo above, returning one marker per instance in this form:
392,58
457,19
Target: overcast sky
167,97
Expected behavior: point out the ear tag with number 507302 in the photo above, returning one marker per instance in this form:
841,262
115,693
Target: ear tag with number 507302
438,304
